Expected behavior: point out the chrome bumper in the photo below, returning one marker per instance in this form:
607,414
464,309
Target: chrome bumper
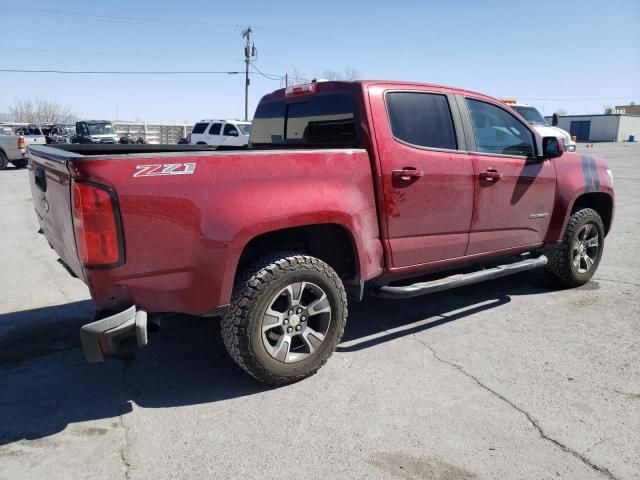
103,336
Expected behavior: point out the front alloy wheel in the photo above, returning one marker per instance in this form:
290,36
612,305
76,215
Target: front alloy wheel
586,247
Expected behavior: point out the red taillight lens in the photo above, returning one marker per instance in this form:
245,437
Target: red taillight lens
21,143
96,225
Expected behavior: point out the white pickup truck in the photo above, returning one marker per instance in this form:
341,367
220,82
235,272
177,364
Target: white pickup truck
537,121
14,139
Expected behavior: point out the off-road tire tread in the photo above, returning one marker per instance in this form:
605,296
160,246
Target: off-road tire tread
248,286
558,267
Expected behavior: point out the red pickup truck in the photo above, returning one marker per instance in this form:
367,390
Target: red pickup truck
347,187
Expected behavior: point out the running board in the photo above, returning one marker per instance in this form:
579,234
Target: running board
459,280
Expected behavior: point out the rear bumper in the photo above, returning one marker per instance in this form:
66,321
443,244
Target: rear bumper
103,337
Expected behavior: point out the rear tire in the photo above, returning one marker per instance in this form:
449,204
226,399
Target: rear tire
4,161
287,315
575,259
20,163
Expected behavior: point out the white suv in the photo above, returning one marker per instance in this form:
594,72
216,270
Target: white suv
537,121
220,133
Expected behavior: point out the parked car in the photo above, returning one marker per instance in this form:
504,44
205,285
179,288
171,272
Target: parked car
95,131
535,118
14,139
347,188
223,134
55,133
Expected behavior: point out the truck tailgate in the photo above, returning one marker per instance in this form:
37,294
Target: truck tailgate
50,183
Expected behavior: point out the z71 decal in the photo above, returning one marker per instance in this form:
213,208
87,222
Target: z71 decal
166,169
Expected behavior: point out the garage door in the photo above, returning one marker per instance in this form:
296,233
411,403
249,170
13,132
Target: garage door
581,129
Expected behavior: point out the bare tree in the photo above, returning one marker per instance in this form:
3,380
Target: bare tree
349,73
39,110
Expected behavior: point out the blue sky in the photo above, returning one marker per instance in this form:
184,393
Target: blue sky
557,50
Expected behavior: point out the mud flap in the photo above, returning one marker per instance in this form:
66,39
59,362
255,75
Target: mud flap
103,337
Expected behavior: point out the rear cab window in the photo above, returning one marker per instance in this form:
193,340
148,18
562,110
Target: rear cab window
215,129
421,119
323,119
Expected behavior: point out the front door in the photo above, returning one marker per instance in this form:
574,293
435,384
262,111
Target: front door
427,176
515,191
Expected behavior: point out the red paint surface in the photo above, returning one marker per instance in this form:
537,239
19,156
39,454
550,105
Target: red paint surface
184,234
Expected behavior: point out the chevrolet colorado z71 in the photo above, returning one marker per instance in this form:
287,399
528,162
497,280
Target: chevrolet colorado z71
348,187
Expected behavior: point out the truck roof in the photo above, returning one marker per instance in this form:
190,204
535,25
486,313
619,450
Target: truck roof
392,83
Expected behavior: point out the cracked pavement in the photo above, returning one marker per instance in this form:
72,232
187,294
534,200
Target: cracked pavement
506,379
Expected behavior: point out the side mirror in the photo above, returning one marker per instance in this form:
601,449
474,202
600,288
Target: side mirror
552,147
554,119
233,133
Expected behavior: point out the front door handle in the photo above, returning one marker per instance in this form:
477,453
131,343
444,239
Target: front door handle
490,175
406,175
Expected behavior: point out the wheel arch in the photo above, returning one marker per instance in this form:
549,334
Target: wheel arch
600,202
331,242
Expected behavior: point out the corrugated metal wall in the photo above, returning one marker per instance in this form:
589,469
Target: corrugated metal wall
154,133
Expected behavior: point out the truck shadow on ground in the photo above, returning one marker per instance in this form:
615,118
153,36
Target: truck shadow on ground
46,385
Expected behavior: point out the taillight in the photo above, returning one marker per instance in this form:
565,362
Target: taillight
21,143
301,90
96,223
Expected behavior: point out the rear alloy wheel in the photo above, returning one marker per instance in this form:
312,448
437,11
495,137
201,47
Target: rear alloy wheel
286,317
573,261
20,163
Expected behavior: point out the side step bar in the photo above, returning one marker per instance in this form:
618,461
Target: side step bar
459,280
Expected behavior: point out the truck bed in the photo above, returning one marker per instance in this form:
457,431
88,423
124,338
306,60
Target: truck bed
187,213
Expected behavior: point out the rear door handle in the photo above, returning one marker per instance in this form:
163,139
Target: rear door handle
490,175
406,175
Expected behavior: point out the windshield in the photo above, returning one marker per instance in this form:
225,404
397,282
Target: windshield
531,115
101,129
245,128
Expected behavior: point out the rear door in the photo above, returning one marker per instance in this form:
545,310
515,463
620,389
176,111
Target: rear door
427,173
515,190
213,133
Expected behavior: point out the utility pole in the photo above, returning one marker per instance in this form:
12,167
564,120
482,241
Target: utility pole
249,53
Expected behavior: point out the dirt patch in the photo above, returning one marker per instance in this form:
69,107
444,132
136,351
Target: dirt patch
414,468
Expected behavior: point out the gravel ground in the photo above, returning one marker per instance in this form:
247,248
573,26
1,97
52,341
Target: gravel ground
507,379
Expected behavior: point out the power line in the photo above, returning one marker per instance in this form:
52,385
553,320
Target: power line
113,54
270,76
113,18
580,99
120,72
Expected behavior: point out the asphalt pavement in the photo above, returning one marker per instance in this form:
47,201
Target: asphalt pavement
509,379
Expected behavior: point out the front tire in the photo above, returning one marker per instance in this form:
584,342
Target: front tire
575,259
287,316
20,163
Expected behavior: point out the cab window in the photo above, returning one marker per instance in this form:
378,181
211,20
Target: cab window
421,119
215,129
497,131
230,130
